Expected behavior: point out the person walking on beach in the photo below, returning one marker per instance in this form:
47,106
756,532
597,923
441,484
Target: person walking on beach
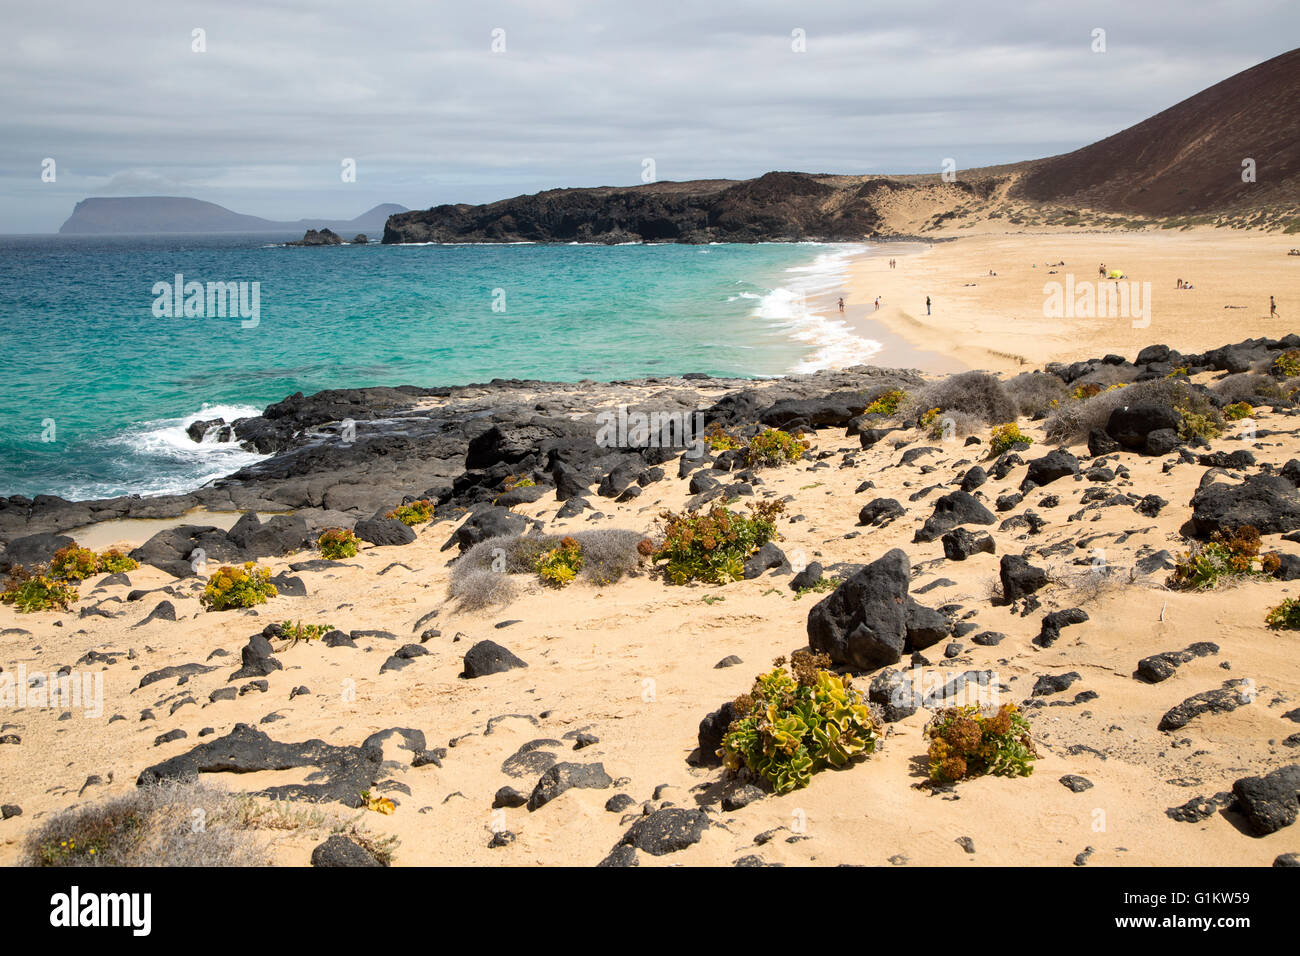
877,303
927,305
841,304
1272,307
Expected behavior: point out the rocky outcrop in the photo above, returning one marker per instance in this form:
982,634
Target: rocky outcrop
777,206
870,621
322,237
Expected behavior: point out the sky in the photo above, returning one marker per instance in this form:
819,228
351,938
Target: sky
440,102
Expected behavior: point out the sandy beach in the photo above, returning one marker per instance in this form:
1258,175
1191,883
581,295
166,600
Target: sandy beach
997,322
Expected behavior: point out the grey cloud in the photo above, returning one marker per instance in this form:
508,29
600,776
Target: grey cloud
585,90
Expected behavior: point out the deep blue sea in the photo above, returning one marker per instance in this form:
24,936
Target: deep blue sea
102,379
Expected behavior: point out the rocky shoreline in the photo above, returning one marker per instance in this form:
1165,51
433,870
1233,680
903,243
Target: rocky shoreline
342,456
930,556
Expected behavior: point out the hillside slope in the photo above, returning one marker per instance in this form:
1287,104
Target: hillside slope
1188,159
1182,166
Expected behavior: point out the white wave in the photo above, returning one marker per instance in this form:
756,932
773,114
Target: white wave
802,309
181,463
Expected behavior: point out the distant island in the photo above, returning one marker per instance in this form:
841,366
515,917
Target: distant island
162,215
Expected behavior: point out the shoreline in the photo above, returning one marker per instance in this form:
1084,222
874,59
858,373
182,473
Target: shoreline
997,322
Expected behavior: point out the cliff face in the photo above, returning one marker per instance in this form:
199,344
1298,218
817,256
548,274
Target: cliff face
776,206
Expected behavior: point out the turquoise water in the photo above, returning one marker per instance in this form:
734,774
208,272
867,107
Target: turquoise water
100,387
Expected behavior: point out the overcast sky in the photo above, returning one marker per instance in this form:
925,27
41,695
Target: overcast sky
582,94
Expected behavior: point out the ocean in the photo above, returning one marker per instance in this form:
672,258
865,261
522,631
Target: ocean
104,373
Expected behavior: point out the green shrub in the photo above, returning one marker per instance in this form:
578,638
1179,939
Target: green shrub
774,447
796,722
513,482
30,592
114,561
965,742
561,564
293,633
712,547
238,587
1005,437
930,424
336,544
887,403
75,563
1286,616
1224,556
416,512
1198,426
720,440
1287,364
1237,411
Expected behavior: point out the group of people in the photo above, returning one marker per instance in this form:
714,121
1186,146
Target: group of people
893,264
1185,285
927,304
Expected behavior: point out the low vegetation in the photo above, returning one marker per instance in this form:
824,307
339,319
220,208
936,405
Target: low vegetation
1071,422
482,575
772,447
31,591
336,544
976,394
718,439
966,742
295,632
238,587
1250,387
1237,411
1286,616
561,564
1005,437
1287,365
711,547
151,826
886,403
173,823
413,512
75,563
1225,557
820,586
796,721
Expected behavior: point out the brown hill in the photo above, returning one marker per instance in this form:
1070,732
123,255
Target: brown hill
1187,160
1183,164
